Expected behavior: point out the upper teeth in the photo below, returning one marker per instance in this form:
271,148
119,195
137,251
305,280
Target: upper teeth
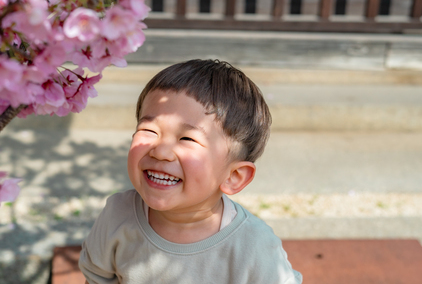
163,176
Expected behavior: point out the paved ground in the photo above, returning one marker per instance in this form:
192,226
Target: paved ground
309,185
344,161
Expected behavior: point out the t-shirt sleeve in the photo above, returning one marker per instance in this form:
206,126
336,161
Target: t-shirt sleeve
94,272
96,259
285,267
274,267
268,260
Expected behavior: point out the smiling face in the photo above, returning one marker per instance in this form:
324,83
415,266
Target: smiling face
179,155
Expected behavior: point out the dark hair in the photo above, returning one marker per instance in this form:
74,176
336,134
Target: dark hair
225,91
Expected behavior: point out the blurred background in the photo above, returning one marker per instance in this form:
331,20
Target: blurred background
343,82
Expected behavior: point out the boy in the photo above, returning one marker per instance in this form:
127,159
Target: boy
201,126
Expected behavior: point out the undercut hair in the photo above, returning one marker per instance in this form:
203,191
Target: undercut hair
225,91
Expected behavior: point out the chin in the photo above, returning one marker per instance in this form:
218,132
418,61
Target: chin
156,204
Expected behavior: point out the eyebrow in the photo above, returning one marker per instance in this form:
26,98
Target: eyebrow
147,118
186,126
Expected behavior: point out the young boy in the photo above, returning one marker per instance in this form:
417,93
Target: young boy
201,126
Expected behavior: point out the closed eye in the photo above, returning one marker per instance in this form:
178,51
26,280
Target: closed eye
187,139
148,130
145,130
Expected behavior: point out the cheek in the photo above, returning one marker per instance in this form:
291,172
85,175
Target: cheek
199,167
131,158
135,154
132,166
139,148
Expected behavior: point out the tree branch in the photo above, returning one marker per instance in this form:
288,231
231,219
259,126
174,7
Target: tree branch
92,4
9,114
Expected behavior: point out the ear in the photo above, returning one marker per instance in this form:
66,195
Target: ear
241,174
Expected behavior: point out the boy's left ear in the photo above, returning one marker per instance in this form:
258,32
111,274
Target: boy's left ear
241,174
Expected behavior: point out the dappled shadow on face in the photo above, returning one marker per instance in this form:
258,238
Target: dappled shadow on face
67,176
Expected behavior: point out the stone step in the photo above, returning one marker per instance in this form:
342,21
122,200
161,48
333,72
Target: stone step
293,162
298,99
286,50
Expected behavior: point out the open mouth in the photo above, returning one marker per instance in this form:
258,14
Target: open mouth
161,178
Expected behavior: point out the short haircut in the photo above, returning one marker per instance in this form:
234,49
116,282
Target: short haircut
225,91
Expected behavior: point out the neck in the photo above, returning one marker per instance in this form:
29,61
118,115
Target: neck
187,227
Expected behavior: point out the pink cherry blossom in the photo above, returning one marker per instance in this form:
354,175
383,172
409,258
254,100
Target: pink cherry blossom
9,96
37,11
71,85
9,190
82,24
117,22
54,2
88,85
85,58
54,94
77,103
3,3
118,62
99,47
70,77
17,40
126,43
26,111
137,6
33,74
25,94
32,21
3,106
50,58
10,73
18,97
70,90
63,110
50,100
76,91
135,38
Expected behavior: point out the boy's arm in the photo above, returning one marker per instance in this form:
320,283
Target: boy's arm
96,268
275,268
267,260
97,254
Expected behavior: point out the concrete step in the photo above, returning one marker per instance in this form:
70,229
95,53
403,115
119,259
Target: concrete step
286,50
298,99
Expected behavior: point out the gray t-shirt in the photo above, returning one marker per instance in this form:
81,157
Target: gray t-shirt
123,248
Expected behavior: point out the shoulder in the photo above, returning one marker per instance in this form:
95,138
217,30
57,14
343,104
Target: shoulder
263,251
119,205
115,224
121,200
118,213
256,228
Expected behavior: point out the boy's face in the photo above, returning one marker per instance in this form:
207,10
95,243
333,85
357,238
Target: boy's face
179,155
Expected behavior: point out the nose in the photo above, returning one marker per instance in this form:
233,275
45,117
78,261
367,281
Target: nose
163,151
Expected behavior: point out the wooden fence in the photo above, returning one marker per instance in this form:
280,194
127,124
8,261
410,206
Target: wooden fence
330,16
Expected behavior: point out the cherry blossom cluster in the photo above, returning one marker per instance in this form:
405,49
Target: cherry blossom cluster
9,189
38,36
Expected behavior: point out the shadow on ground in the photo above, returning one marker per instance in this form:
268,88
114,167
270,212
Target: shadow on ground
66,179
